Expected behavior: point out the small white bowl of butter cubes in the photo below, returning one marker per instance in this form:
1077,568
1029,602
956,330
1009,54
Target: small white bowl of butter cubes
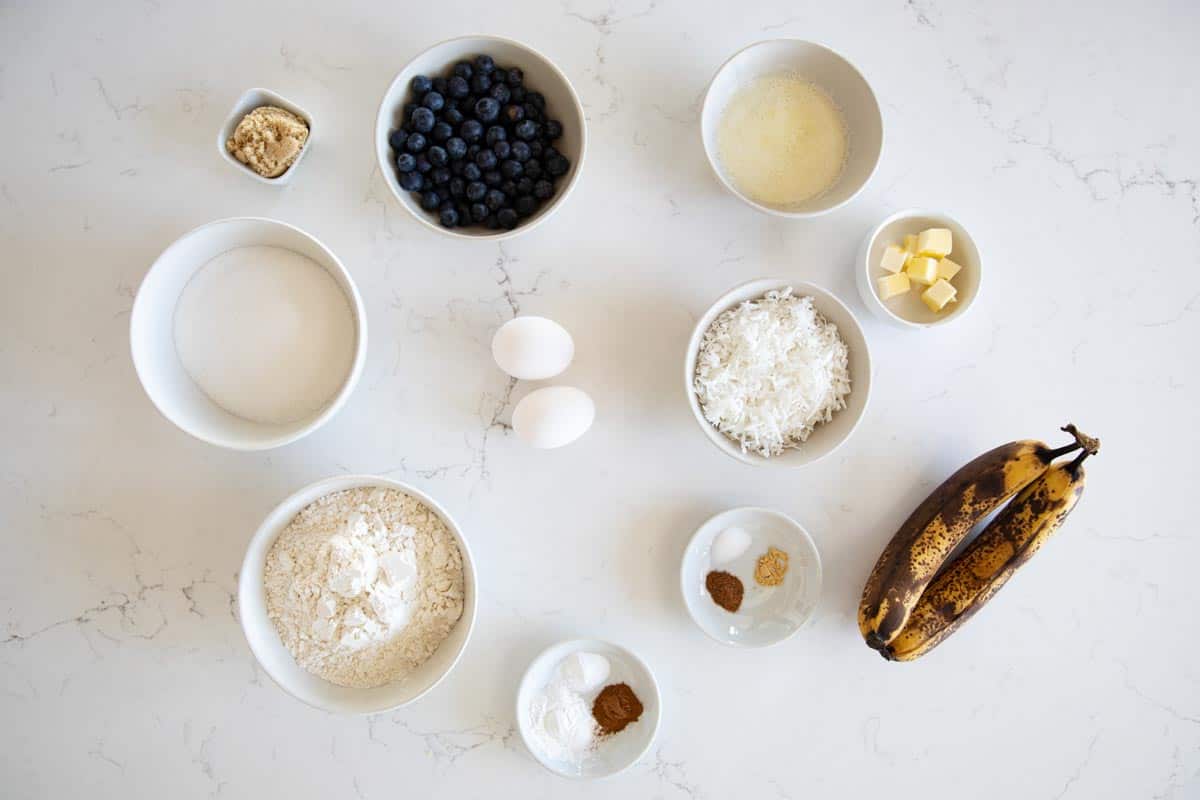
918,269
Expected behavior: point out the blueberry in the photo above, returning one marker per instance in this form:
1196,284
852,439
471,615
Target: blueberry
457,187
502,150
553,129
423,164
456,148
471,171
557,166
440,176
406,162
491,222
524,186
471,131
434,101
439,85
493,178
480,83
463,69
456,167
525,205
511,169
421,84
430,200
409,108
519,94
543,190
520,151
514,113
509,188
411,181
533,169
548,153
397,138
478,212
415,143
448,217
438,156
473,151
507,218
486,160
514,76
452,116
531,112
526,130
423,119
537,99
476,191
484,64
495,133
536,148
500,93
487,109
441,132
457,87
494,199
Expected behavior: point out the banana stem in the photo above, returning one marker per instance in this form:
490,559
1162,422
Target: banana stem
1089,443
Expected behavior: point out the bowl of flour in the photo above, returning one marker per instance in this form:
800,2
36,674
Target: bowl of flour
248,333
357,594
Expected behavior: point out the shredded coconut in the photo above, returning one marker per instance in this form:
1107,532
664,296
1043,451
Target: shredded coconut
364,585
770,370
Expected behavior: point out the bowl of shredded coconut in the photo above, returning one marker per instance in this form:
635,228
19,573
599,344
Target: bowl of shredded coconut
778,372
357,594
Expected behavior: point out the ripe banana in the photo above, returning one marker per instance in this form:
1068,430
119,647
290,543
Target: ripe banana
1008,541
919,549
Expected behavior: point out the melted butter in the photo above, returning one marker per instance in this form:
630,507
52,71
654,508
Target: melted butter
782,140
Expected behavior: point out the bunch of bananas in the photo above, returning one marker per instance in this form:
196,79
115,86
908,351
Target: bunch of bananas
914,599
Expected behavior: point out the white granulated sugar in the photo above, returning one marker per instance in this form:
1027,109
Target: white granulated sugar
364,585
770,370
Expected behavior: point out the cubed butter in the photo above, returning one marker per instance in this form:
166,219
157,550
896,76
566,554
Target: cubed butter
910,243
938,295
948,269
922,270
936,242
892,285
893,258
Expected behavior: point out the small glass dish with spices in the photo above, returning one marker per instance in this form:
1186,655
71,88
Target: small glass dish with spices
751,577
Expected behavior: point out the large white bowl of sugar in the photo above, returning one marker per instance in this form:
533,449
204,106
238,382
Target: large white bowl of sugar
248,333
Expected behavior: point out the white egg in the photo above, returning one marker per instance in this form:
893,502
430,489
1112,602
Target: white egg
553,416
532,348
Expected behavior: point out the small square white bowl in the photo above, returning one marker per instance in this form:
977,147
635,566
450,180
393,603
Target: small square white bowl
252,99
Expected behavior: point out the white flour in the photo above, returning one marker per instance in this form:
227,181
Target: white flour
364,585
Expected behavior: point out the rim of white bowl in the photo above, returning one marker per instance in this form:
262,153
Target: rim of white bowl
334,405
691,543
722,303
778,212
864,266
559,198
575,645
358,481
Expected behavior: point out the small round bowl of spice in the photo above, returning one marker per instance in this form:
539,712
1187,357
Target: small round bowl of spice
778,372
480,137
587,708
751,577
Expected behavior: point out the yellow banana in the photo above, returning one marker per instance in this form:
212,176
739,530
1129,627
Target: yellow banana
990,560
919,549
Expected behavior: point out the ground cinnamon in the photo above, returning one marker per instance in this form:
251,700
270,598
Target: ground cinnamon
726,589
616,707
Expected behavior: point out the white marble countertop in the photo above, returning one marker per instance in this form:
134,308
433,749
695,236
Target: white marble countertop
1067,143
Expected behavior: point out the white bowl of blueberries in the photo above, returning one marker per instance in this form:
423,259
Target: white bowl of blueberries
480,137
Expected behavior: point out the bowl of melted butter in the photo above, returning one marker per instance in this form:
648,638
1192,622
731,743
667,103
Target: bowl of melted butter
791,128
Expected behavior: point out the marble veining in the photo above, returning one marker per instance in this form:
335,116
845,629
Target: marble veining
1062,136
